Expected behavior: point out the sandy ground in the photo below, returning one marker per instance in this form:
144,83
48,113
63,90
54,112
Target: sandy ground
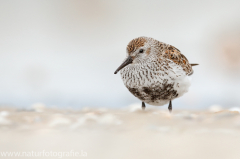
124,133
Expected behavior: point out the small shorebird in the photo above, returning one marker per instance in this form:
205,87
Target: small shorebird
155,72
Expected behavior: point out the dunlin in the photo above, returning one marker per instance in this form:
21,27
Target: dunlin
155,72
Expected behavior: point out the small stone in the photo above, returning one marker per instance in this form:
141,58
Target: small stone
135,107
109,119
3,120
235,109
4,113
58,120
215,108
39,107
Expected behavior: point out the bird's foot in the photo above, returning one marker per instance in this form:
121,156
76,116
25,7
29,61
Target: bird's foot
170,106
143,106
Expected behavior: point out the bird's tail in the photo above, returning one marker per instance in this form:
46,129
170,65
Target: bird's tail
194,64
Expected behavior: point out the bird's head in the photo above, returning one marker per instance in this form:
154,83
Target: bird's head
139,50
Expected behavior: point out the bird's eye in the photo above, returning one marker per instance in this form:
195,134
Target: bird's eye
141,51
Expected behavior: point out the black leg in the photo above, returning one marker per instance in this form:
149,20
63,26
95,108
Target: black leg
143,106
170,106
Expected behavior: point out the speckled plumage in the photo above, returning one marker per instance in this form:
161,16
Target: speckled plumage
157,72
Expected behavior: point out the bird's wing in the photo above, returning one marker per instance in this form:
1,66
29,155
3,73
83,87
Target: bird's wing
175,55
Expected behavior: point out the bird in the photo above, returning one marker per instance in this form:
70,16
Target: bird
155,72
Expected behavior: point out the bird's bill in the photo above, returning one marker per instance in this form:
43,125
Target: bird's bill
128,61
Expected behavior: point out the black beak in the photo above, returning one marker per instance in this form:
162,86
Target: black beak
129,60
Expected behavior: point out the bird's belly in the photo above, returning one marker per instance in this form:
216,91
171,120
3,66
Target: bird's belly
155,94
160,92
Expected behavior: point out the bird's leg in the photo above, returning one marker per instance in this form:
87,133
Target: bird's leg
170,106
143,106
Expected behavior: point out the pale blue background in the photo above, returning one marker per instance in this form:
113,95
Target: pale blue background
64,53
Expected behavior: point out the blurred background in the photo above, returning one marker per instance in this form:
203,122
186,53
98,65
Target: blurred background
63,53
